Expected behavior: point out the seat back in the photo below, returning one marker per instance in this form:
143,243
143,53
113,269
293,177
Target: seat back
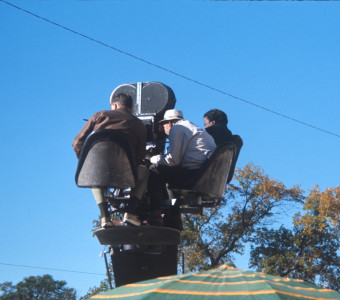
211,180
238,142
214,173
106,160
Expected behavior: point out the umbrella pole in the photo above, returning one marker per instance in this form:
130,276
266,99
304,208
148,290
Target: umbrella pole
107,271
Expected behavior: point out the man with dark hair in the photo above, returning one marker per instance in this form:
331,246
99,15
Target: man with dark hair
215,123
189,147
120,118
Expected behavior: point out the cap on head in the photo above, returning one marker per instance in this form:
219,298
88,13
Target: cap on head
171,115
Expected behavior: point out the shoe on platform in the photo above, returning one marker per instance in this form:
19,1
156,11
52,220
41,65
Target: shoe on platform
106,223
131,219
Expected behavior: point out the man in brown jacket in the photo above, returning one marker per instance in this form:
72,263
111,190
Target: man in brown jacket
119,117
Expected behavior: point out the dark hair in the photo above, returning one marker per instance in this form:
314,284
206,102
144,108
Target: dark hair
123,100
216,115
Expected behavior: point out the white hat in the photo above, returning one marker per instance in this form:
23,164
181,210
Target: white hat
172,114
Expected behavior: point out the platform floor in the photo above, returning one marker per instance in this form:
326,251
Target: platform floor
138,235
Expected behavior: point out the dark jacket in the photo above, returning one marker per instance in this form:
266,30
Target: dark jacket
221,134
120,119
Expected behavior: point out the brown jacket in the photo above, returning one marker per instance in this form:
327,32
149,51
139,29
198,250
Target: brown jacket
115,119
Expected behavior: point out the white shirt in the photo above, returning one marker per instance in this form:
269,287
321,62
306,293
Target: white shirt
189,146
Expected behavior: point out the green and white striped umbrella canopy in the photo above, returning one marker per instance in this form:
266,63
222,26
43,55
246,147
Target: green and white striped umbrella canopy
223,282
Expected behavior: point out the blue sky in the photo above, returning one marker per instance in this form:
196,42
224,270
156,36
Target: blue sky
284,56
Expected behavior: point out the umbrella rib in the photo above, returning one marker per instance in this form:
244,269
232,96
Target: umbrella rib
229,283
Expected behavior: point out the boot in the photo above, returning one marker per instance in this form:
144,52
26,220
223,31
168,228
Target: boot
105,215
130,216
106,222
131,219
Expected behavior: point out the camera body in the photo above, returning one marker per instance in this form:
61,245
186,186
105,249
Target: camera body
150,101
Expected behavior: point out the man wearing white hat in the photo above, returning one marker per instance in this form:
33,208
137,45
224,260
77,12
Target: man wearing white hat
189,147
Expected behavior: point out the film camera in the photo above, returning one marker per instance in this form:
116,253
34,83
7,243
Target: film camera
150,101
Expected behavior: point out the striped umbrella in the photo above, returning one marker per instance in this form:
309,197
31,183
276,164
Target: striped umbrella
223,282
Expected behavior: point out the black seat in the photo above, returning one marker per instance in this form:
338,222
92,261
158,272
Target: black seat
238,142
106,160
207,188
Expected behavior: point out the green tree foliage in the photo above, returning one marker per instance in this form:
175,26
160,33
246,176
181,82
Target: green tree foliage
210,240
310,250
35,288
103,287
7,291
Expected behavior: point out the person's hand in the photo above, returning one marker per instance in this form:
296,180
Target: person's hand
154,159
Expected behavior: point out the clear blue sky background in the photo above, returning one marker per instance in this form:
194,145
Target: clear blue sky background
284,56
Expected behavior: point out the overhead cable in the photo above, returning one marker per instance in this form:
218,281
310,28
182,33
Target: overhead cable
173,72
51,269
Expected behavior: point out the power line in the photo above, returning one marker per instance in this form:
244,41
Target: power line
173,72
51,269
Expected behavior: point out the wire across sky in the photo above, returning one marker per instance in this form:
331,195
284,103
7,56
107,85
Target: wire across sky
175,73
50,269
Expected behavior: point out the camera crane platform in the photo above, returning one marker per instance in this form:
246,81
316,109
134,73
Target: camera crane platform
107,161
138,235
